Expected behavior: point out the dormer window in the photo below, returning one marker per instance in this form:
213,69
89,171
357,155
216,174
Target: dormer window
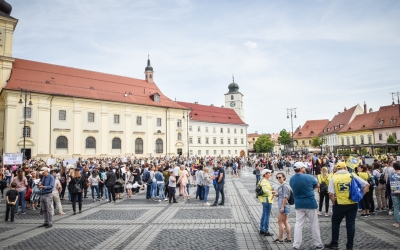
312,133
299,133
329,129
324,131
341,125
155,97
334,128
393,120
380,122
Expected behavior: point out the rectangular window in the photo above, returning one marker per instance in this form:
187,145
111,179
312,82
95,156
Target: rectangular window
222,140
206,140
342,141
234,130
354,140
241,131
369,139
394,135
198,140
214,140
214,130
241,141
222,130
229,140
158,122
229,130
138,120
348,141
199,152
380,137
215,152
207,152
190,140
303,142
179,123
90,117
198,129
116,119
26,131
235,141
206,129
27,112
362,139
191,152
229,152
235,152
190,128
62,115
222,152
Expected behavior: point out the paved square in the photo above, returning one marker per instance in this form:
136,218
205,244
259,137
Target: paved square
114,214
196,214
199,239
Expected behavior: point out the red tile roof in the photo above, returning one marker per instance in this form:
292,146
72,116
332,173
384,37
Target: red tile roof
339,119
387,114
65,81
311,128
253,135
206,113
360,122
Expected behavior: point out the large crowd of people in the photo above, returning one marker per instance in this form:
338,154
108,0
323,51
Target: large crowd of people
38,186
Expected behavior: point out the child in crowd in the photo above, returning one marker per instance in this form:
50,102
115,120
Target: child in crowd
12,201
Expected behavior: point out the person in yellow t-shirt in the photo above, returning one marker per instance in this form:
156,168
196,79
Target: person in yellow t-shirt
323,181
266,200
365,202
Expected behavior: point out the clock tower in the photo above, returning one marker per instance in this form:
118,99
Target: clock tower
234,99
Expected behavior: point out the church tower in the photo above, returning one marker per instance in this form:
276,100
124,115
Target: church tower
149,73
234,99
7,27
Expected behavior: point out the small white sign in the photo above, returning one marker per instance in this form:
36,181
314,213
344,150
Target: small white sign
124,159
398,158
12,159
51,161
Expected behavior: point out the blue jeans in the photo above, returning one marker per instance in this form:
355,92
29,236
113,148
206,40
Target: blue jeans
106,192
215,186
148,191
188,188
339,212
21,197
8,179
200,192
97,191
396,208
257,179
220,189
161,190
153,191
266,212
206,191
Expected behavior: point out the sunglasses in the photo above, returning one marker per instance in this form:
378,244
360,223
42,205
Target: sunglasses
279,177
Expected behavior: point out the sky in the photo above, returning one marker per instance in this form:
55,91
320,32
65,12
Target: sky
316,56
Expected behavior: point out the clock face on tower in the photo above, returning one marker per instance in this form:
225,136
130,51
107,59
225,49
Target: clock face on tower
232,104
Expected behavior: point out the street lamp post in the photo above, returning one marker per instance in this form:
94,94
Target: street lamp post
398,99
187,130
24,130
291,110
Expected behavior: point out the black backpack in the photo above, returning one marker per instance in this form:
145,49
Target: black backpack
382,179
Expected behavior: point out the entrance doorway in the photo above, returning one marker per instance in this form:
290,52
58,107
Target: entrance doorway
28,153
179,151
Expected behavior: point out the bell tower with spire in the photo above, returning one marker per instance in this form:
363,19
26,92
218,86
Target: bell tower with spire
149,73
234,99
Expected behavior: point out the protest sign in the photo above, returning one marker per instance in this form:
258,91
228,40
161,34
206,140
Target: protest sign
12,159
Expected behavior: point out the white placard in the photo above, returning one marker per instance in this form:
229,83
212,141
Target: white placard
12,159
123,159
51,161
70,162
369,161
123,170
398,158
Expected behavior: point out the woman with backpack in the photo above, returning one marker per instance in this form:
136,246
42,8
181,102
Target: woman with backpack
77,185
94,181
102,186
283,195
323,181
380,189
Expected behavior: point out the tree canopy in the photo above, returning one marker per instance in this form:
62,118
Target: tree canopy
316,141
284,137
264,144
391,139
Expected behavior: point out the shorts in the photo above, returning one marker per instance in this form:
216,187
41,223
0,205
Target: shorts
285,210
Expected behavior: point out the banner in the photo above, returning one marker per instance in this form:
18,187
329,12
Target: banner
12,159
353,162
51,161
70,162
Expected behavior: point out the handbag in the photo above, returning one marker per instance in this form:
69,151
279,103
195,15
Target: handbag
28,194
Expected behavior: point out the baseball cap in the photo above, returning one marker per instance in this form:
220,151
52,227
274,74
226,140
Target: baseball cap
265,171
341,165
43,170
298,165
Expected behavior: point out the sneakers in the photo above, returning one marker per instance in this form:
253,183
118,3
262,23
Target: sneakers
207,204
390,212
94,200
319,213
396,225
268,234
165,199
326,215
364,215
23,213
319,248
330,246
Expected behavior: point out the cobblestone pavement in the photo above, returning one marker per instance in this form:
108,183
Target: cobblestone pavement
138,223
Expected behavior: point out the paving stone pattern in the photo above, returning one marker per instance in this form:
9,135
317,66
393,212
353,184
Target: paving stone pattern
196,239
138,223
195,214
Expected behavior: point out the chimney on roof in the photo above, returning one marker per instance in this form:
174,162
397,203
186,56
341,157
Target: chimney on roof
222,106
196,102
365,108
370,110
212,105
345,108
256,132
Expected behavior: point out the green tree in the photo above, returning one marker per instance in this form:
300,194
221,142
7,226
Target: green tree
316,141
264,144
284,138
391,139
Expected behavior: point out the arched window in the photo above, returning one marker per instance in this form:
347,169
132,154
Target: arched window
231,97
90,142
179,136
116,143
62,142
159,146
139,146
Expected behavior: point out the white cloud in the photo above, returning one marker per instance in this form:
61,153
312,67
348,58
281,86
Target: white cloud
250,45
